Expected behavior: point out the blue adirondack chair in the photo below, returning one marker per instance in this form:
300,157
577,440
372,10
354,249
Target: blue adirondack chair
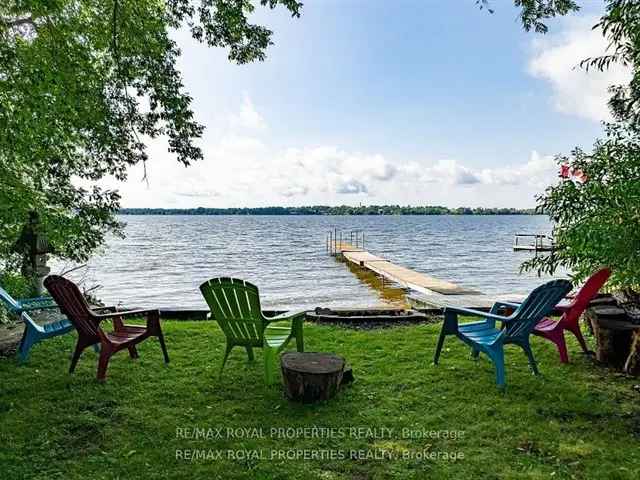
483,336
33,332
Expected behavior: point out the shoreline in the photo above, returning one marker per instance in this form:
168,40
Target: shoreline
374,210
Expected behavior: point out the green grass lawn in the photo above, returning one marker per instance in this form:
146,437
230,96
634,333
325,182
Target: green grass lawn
574,421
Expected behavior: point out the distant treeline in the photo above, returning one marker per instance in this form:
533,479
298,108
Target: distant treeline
326,210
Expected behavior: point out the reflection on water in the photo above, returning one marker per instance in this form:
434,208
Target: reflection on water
163,259
386,291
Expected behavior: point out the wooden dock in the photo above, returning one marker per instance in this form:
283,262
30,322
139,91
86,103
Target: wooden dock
420,301
533,242
354,252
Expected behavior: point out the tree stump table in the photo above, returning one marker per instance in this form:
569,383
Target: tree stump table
617,338
312,376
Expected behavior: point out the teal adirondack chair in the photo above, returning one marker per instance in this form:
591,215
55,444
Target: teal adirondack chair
484,337
33,332
235,305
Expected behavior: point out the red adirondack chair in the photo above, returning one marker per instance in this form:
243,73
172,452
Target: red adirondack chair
87,322
571,312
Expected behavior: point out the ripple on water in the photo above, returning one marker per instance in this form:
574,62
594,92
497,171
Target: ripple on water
163,259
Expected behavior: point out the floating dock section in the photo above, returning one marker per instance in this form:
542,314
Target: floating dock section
533,242
351,247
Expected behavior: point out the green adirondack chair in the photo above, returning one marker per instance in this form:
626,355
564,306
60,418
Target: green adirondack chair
235,305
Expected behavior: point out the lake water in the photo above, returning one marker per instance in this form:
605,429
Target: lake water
163,259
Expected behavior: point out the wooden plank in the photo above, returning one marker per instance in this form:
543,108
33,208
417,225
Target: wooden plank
346,247
403,276
416,281
360,257
478,302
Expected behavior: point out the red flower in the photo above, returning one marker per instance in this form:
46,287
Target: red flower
579,176
575,175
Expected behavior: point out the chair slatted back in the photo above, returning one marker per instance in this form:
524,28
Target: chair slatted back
587,293
536,306
9,302
235,305
72,303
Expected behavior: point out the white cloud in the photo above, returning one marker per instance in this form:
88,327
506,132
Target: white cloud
556,57
351,186
376,167
330,169
450,172
240,144
539,171
248,117
294,190
197,192
243,168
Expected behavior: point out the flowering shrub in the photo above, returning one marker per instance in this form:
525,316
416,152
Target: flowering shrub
595,208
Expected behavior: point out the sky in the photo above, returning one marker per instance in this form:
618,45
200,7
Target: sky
411,102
